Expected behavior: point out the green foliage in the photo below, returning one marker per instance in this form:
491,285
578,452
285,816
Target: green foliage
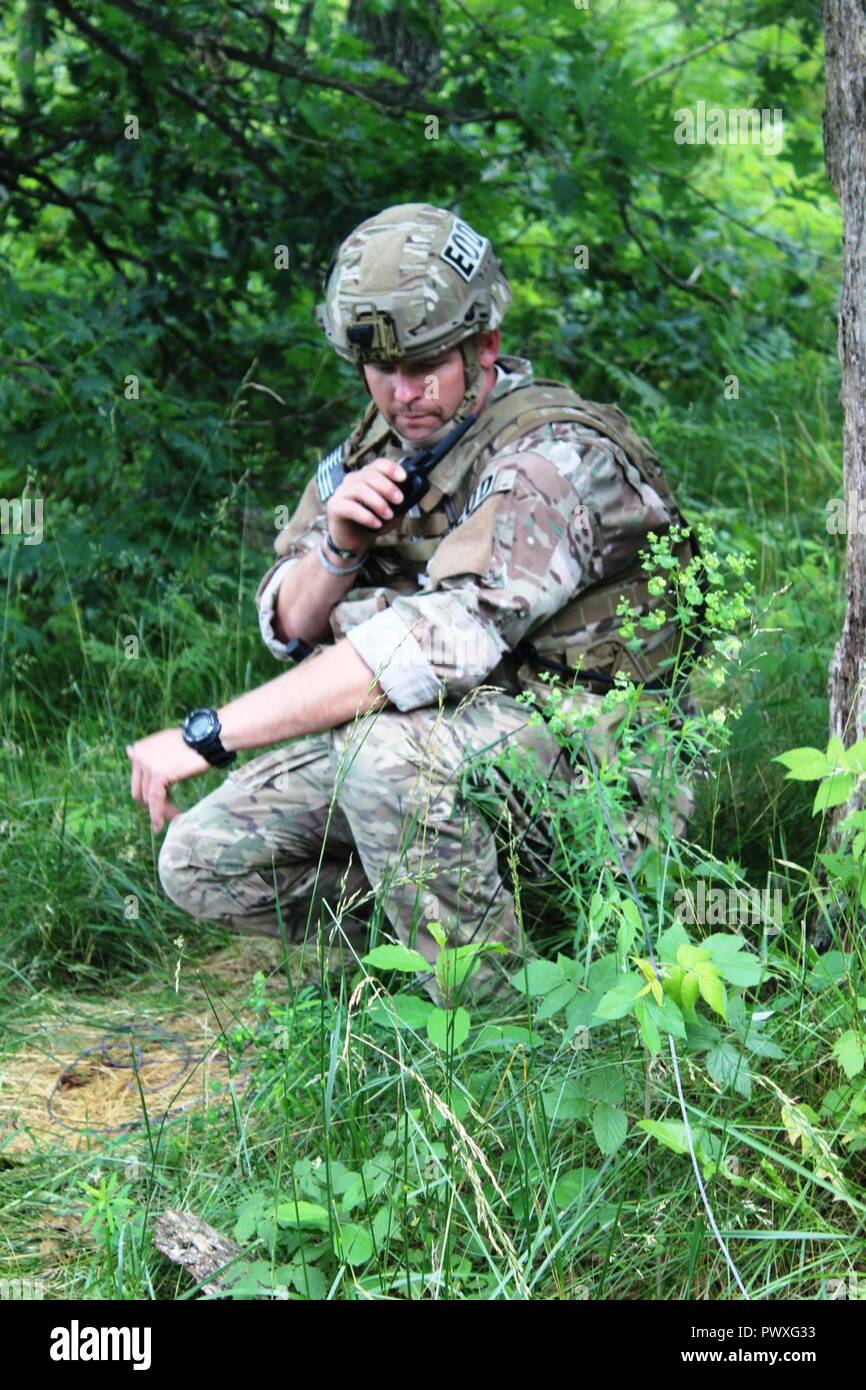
165,388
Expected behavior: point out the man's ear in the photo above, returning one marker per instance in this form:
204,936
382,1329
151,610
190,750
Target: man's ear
488,347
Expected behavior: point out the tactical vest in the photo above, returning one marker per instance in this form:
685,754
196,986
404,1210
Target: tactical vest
585,633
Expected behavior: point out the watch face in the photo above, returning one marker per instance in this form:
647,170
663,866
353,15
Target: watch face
199,724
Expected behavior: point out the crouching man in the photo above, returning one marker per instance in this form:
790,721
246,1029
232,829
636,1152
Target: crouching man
416,628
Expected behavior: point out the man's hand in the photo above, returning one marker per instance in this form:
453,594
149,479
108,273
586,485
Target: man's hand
157,761
360,505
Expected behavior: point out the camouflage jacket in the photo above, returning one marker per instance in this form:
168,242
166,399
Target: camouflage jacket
491,554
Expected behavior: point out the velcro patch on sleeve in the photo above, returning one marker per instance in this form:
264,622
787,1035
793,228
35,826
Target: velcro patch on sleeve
500,481
468,546
329,473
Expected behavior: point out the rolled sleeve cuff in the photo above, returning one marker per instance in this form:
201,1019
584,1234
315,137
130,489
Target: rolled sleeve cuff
266,600
386,644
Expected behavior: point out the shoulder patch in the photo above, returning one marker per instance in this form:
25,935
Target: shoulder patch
500,481
329,473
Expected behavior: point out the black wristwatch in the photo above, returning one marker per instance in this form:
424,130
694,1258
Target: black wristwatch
201,730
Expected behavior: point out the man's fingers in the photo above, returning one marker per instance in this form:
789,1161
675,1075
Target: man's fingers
391,468
135,787
156,800
362,516
369,497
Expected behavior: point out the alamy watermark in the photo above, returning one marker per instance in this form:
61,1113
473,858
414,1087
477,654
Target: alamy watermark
846,514
732,907
22,516
77,1343
21,1290
714,125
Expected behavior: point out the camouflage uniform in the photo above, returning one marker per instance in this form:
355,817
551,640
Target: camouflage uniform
496,550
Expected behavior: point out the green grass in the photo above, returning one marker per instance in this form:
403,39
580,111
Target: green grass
485,1171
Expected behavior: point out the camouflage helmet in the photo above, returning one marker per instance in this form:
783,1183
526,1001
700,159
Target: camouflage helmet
411,282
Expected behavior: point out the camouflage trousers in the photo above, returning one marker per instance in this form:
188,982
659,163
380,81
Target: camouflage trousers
372,814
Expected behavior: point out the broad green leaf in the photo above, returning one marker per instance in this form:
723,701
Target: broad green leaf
689,991
357,1243
805,764
410,1009
723,1062
648,1027
620,1000
573,1186
836,752
448,1027
301,1214
454,966
498,1035
539,977
733,961
566,1101
671,1133
689,956
712,989
855,757
670,941
848,1051
833,792
610,1126
607,1083
556,1000
388,957
667,1016
438,933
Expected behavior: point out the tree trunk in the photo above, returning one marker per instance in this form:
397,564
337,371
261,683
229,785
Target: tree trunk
845,155
404,36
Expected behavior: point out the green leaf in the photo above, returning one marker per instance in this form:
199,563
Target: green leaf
620,1000
388,957
848,1051
806,764
357,1243
301,1214
411,1011
455,965
448,1027
539,977
565,1101
855,757
498,1035
667,1016
438,933
689,991
572,1186
671,1133
670,941
607,1083
556,1000
836,753
833,792
733,961
724,1061
648,1027
712,990
610,1126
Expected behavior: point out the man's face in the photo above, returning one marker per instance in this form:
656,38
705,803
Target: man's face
417,397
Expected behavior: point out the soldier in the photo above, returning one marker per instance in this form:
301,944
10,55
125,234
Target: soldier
424,624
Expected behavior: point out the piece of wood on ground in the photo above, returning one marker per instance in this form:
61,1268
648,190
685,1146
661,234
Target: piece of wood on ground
188,1241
